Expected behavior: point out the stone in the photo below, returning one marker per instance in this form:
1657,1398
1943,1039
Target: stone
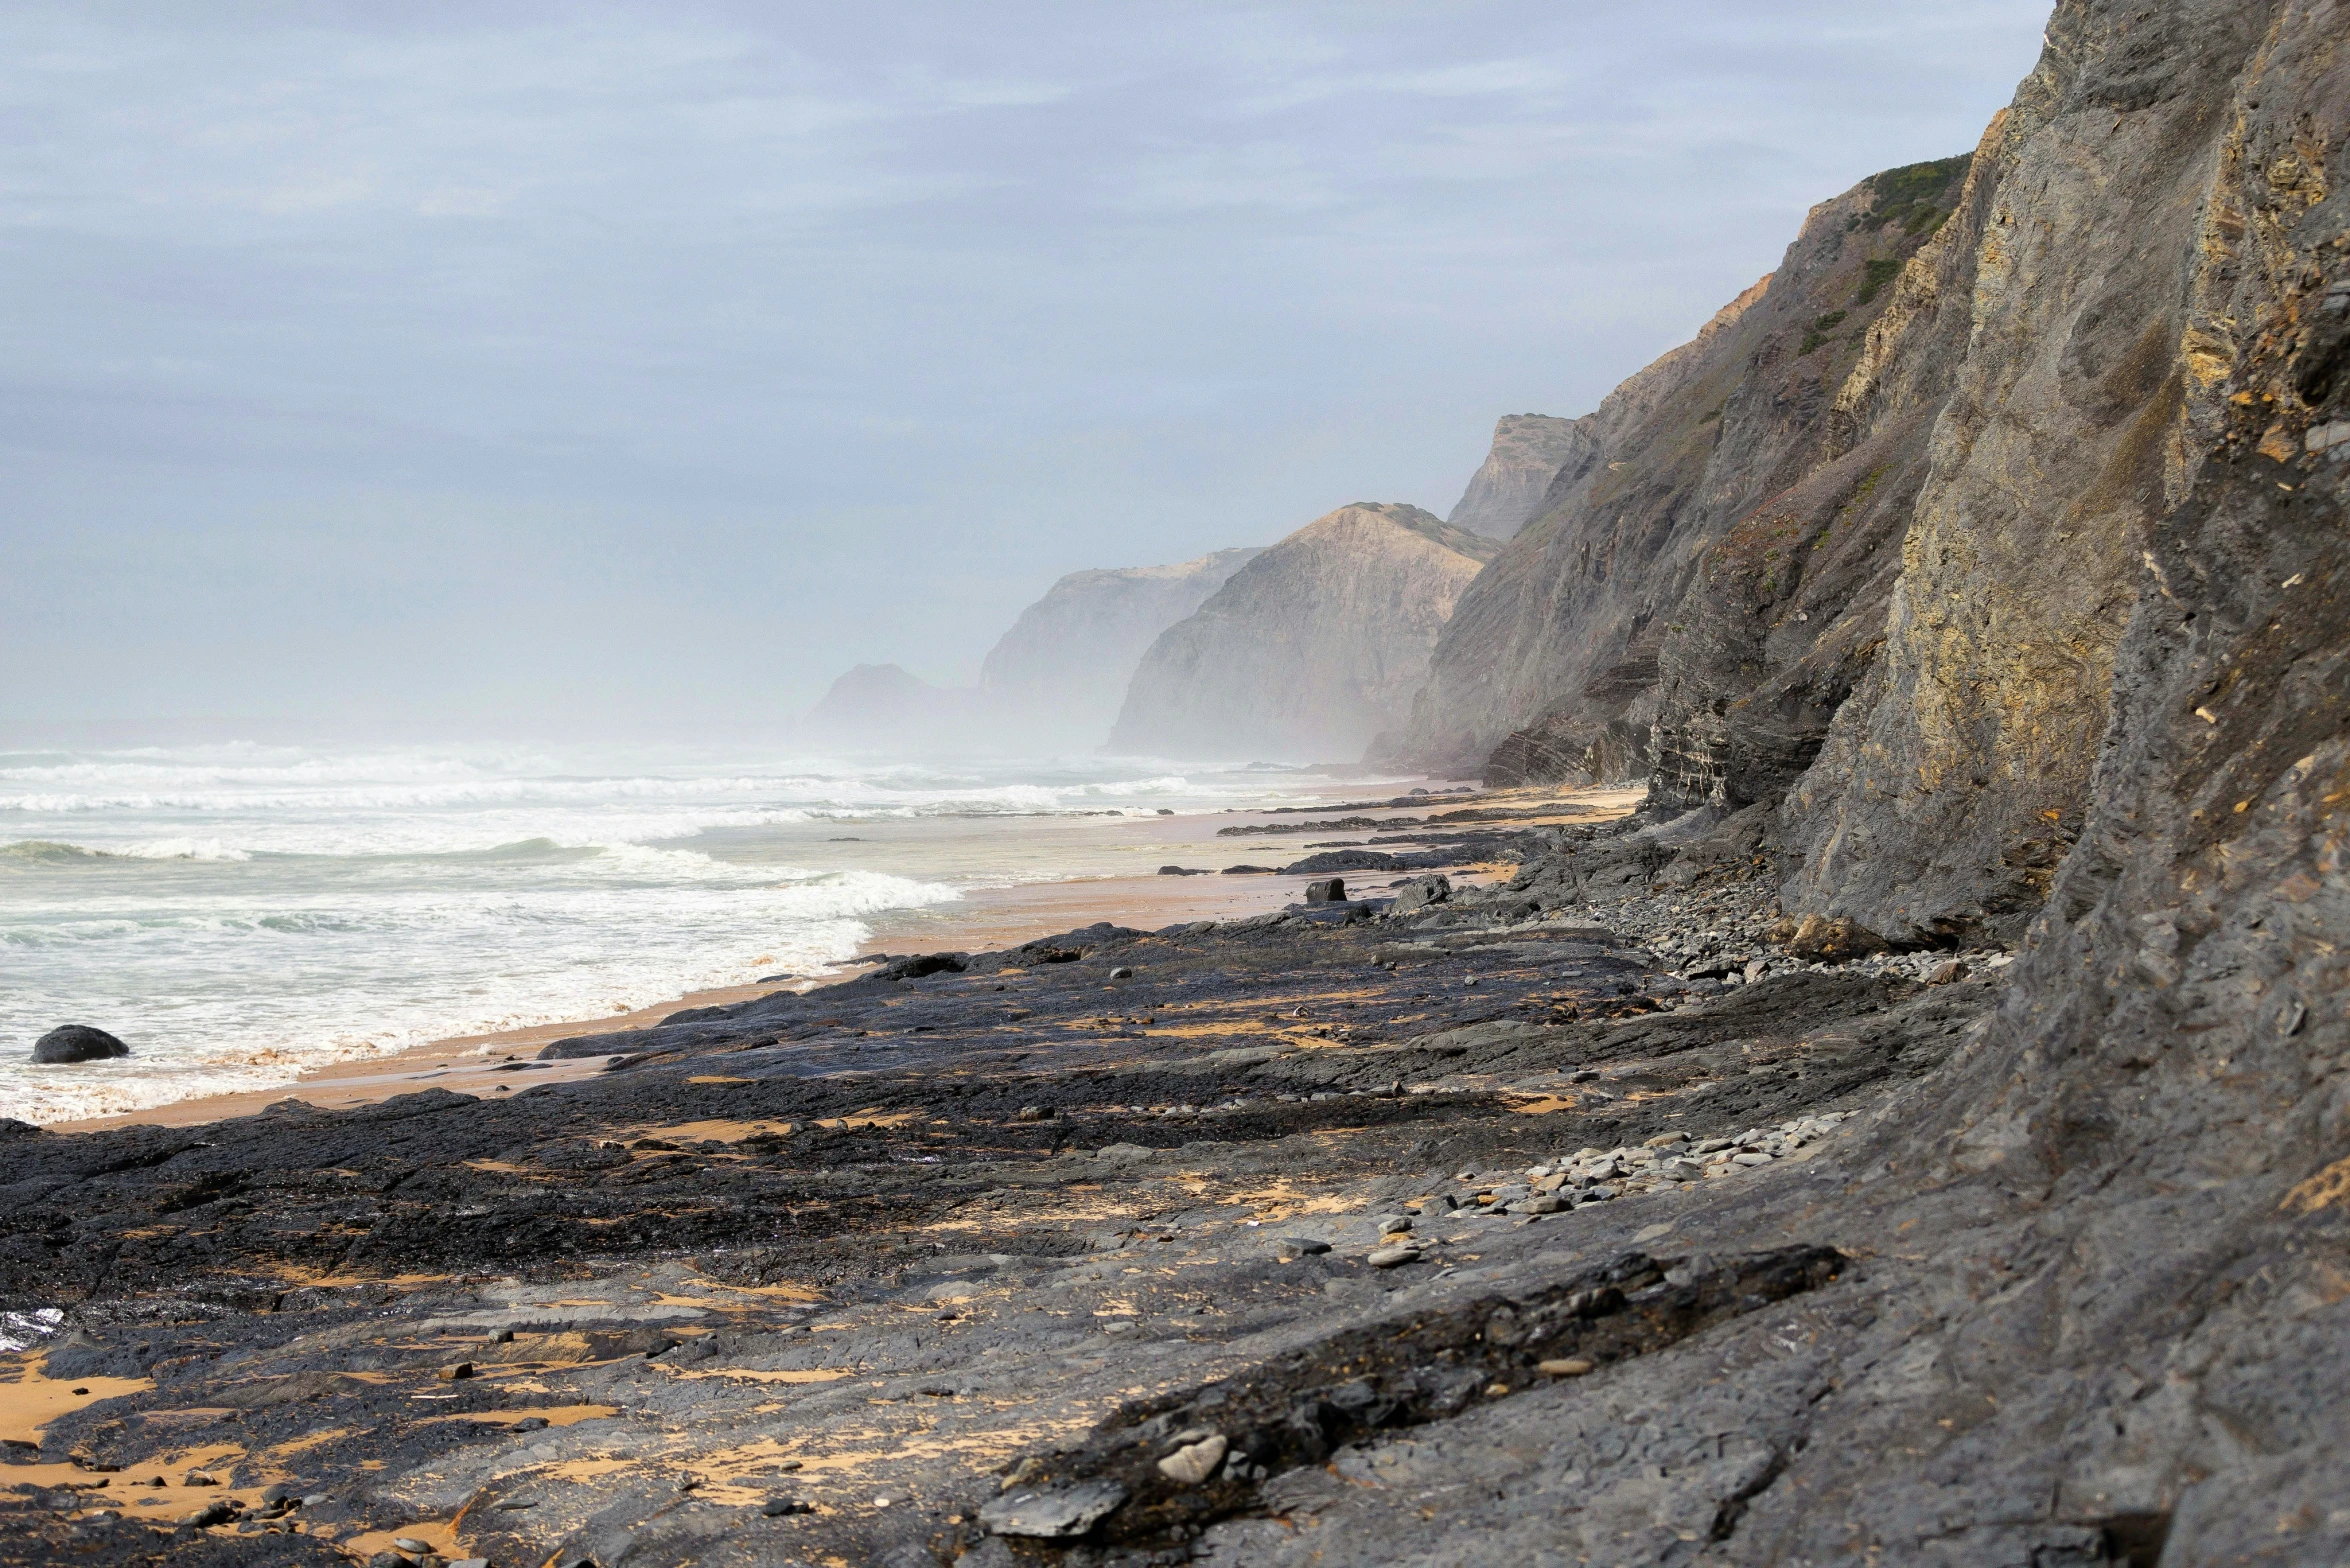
77,1043
1330,890
219,1511
1313,648
1034,1113
1944,973
1121,973
1058,675
1052,1516
1393,1257
1420,892
1194,1462
1393,1224
458,1373
1305,1246
1564,1366
409,1543
781,1507
1827,939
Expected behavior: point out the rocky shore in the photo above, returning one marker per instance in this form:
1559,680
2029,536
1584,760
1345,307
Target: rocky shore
892,1270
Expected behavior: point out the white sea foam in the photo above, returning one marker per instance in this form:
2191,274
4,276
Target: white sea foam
240,914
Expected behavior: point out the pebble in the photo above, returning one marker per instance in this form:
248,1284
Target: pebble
1393,1257
1194,1462
409,1543
778,1507
1305,1246
1565,1366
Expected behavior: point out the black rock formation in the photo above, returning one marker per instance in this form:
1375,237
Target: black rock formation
77,1043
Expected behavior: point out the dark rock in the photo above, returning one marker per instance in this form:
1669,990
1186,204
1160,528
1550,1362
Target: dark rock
1420,892
1329,891
1249,871
77,1043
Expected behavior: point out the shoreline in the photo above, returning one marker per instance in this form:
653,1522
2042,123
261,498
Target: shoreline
985,918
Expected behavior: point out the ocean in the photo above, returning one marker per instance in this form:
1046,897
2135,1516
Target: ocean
239,914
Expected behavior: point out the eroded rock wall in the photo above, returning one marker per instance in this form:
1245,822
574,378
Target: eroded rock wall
1556,665
2103,312
1311,648
1529,451
1060,672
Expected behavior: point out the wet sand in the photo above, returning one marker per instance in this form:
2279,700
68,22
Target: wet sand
984,919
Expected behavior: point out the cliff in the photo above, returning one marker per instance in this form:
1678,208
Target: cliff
1310,649
1529,451
1553,664
1060,672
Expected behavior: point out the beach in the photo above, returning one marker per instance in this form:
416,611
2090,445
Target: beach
985,918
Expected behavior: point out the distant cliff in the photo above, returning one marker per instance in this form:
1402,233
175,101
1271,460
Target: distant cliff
1058,676
1529,453
1310,649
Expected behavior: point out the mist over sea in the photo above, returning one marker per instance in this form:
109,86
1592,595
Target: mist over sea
241,913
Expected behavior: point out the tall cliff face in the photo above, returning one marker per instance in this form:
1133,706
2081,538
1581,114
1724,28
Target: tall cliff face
1529,452
1058,676
1310,649
1562,641
2102,318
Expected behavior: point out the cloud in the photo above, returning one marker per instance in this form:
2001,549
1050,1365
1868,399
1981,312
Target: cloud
832,333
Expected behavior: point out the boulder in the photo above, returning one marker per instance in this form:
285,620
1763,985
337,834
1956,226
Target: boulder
77,1043
1330,890
1827,939
1420,892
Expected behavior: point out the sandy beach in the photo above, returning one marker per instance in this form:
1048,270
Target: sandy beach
985,919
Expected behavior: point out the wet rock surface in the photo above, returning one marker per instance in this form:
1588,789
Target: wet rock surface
814,1274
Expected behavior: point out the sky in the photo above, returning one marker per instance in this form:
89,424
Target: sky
496,370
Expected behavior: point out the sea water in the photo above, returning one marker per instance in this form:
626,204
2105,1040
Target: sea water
240,914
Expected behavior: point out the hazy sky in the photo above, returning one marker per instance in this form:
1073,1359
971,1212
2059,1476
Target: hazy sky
477,368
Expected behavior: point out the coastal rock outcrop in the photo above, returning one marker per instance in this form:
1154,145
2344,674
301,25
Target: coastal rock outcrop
1060,672
1310,649
1712,476
1529,453
77,1043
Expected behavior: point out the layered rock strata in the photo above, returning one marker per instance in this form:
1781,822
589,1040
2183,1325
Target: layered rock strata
1711,477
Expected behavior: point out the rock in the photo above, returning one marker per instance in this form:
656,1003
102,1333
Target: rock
219,1511
1194,1462
1305,1246
1393,1224
1052,1516
390,1560
1121,973
1420,892
1058,675
1249,871
529,1424
1946,972
1393,1257
1331,890
1311,649
458,1373
409,1543
781,1507
1829,939
1034,1113
1184,871
1528,453
77,1043
1565,1366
